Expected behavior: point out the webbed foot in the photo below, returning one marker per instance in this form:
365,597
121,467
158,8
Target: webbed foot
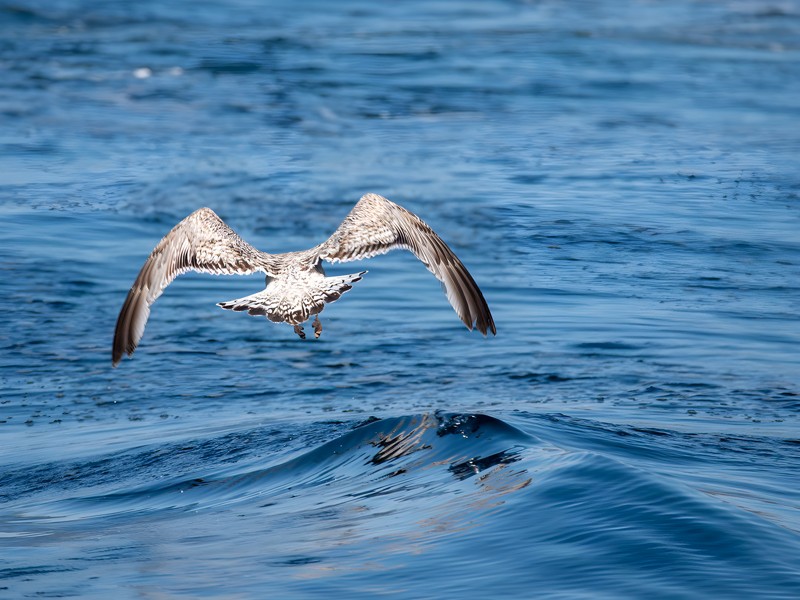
317,326
298,329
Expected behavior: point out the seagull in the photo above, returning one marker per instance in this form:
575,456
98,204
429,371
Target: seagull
296,285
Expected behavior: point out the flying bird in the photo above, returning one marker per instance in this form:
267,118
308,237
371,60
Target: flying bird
296,285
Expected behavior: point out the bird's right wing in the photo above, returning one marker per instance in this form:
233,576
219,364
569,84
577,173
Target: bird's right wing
201,242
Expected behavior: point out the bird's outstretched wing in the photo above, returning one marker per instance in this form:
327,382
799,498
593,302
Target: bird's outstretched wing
201,242
376,226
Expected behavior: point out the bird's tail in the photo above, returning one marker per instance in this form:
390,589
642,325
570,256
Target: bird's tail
336,286
280,304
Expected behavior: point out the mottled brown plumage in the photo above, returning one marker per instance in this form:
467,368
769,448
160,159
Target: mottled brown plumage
297,287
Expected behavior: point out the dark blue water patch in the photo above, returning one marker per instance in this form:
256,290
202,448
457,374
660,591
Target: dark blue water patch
528,179
30,572
540,377
235,68
606,346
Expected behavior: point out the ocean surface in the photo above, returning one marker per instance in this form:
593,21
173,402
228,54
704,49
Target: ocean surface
622,179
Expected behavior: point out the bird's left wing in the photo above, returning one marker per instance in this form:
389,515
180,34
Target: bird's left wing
377,225
201,242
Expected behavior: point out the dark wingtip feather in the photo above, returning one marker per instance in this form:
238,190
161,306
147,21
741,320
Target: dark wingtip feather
118,348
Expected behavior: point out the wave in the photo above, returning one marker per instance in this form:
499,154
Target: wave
517,510
384,456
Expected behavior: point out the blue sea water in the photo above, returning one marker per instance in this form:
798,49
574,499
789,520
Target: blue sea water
622,179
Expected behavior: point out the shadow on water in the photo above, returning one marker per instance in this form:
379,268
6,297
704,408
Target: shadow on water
431,487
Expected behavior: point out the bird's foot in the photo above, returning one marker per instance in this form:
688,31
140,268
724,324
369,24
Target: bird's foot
298,329
317,326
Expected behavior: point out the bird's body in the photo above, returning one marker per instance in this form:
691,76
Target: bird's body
296,285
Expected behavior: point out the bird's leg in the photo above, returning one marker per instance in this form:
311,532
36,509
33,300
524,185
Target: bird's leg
298,329
317,326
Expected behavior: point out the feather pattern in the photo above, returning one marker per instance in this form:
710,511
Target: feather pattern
377,225
201,242
296,283
284,301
